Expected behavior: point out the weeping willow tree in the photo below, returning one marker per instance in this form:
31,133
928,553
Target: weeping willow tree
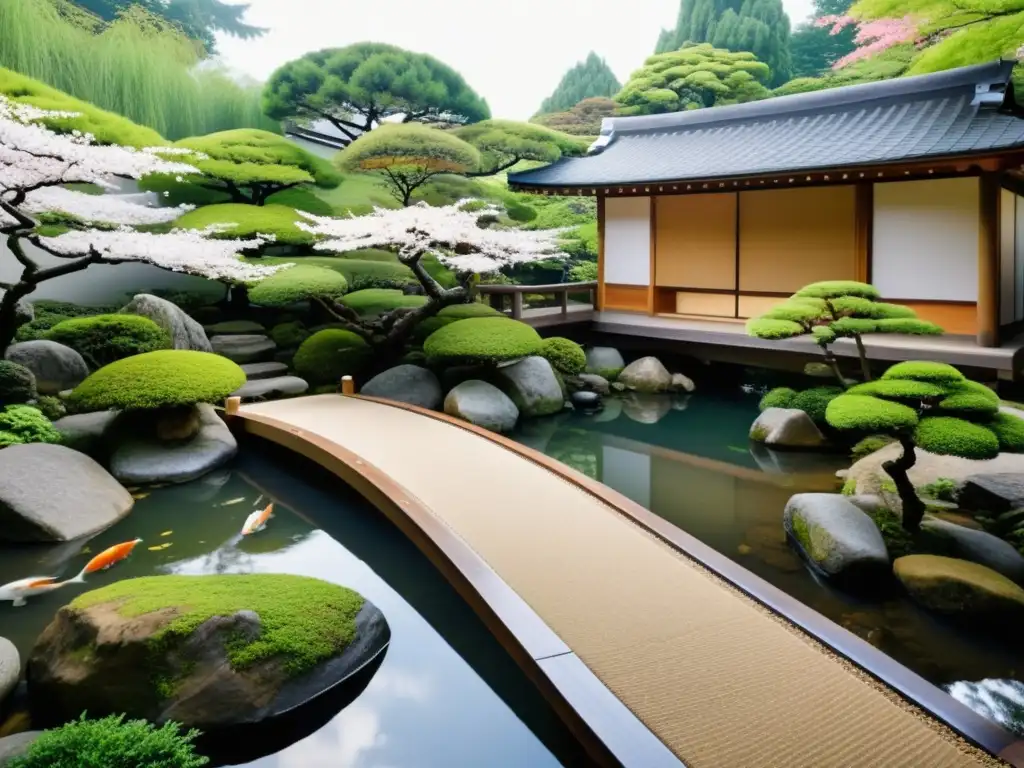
139,66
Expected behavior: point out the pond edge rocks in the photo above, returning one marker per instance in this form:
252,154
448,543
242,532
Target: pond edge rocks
786,428
482,404
409,384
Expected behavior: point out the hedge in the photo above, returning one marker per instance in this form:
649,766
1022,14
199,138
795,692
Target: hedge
483,340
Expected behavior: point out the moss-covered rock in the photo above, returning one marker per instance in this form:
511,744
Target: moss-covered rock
780,397
329,354
17,383
449,315
605,362
565,355
960,589
534,387
482,341
104,339
206,651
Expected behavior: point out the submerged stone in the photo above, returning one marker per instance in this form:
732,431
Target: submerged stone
646,375
786,428
10,668
947,538
960,588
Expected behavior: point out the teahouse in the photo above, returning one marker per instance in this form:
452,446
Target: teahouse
913,184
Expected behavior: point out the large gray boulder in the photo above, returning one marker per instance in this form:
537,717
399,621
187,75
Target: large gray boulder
55,366
10,668
992,492
533,387
786,428
407,384
244,348
185,332
52,493
605,361
85,432
144,460
279,386
646,375
482,404
837,538
960,589
16,745
977,546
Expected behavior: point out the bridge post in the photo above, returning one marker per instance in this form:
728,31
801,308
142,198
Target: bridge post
348,385
564,301
517,306
231,406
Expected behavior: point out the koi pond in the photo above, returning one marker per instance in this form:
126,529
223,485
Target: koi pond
446,694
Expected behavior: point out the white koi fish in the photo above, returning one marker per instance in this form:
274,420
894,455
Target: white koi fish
18,591
257,521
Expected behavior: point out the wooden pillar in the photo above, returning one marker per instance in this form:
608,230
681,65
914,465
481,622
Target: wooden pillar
988,260
654,249
863,220
348,385
231,406
599,293
517,306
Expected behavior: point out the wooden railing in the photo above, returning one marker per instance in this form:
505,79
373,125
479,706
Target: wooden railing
561,291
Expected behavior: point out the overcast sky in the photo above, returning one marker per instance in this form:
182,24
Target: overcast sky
513,53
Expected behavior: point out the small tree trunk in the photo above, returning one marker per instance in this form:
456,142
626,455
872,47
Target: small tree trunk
913,507
239,299
862,353
833,363
9,314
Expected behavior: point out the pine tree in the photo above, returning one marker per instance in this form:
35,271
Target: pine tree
587,79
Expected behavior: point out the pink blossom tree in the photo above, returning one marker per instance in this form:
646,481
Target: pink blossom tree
872,37
36,166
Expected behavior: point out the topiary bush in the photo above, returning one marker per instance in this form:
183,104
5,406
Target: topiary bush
780,397
868,414
328,355
289,335
565,355
833,289
1009,431
25,424
815,401
104,339
376,301
956,437
919,370
898,389
163,379
482,341
17,383
112,743
293,285
449,315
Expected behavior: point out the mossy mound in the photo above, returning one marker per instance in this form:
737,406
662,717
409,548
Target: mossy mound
376,301
293,285
240,221
449,315
329,354
289,335
780,397
482,341
921,370
565,355
17,383
104,339
25,424
167,378
861,413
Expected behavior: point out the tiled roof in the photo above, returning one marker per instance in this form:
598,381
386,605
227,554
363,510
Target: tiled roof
957,112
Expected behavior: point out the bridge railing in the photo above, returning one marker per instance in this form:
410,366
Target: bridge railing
560,291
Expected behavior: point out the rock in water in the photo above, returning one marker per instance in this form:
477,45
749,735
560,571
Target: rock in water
482,404
961,589
594,383
77,497
646,375
605,361
185,332
141,461
55,366
586,401
533,387
681,383
205,671
837,539
10,668
1001,701
244,348
646,409
786,428
407,384
977,546
991,493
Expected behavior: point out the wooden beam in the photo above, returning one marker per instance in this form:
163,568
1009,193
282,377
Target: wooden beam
599,297
863,220
651,282
988,260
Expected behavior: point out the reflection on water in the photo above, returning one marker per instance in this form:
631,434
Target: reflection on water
445,695
688,460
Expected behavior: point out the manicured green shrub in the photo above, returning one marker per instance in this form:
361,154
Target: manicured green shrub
943,489
898,389
240,221
918,370
1009,430
780,397
908,325
51,407
956,437
104,339
293,285
17,383
112,743
329,354
969,402
830,289
25,424
869,445
289,335
814,401
768,328
567,357
166,378
449,315
861,413
377,301
483,340
796,311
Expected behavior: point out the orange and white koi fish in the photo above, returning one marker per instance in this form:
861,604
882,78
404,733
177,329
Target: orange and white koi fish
105,559
18,591
257,521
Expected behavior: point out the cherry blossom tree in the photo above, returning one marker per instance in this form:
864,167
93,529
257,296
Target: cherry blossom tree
872,37
36,166
457,235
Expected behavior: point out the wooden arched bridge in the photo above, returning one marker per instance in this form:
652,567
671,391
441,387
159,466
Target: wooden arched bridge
653,648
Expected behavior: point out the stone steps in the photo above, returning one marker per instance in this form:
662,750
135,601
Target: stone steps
257,371
273,387
244,348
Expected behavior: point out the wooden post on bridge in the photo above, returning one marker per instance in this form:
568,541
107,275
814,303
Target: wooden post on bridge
348,385
231,406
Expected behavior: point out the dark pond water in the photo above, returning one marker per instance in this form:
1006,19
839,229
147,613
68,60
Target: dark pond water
445,696
688,460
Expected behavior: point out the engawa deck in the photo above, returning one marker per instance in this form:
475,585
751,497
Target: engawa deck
565,571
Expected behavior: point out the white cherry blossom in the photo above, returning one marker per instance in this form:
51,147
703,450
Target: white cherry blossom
98,209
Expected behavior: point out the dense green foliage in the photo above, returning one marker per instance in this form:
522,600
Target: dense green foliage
815,49
52,407
503,143
814,401
919,370
1009,430
243,221
584,272
779,397
860,413
289,335
358,86
328,355
304,621
112,743
371,302
138,67
583,119
102,339
17,383
297,284
773,329
484,340
882,66
956,437
587,79
452,313
25,424
691,78
758,26
167,378
565,355
898,390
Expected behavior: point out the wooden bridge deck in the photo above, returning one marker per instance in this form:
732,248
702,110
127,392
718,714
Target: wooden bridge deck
581,586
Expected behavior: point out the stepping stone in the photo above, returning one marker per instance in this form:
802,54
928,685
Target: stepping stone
244,348
257,371
280,385
235,328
